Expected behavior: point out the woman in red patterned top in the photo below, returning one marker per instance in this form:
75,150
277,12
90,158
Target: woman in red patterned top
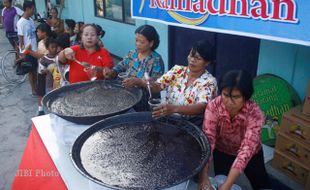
233,123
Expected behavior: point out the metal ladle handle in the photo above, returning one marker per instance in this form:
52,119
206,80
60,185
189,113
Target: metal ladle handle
147,77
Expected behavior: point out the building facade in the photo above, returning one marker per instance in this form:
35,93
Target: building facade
287,60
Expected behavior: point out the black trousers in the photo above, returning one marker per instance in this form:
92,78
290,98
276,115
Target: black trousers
255,170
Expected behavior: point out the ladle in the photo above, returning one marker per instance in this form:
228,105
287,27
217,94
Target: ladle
147,77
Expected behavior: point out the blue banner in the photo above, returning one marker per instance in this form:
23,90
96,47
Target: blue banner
279,20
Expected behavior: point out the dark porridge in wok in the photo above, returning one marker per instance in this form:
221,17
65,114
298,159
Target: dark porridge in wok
141,155
91,101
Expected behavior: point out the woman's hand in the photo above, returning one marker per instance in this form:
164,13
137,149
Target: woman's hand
163,110
148,80
224,186
108,73
205,184
69,54
131,82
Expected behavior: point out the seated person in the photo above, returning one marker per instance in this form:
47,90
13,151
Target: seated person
143,59
233,123
140,60
189,88
88,52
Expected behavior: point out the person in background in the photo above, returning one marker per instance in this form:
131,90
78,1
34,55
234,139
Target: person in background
88,53
9,17
45,62
189,88
69,28
100,33
56,24
143,59
63,42
232,123
27,37
78,31
43,33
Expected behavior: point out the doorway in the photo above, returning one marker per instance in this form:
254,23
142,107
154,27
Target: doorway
232,52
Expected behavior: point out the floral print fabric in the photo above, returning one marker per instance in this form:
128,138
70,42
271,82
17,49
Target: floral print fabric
239,136
153,64
174,81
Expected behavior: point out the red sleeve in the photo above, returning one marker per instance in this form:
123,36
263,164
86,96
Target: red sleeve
210,123
251,142
75,48
107,59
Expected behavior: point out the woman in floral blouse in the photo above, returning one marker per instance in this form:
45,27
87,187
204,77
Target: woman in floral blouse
140,60
189,88
233,124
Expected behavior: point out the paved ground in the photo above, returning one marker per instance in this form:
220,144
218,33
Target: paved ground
17,107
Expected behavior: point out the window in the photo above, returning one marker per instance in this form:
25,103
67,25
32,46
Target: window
118,10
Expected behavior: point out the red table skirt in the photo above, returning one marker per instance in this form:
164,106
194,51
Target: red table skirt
37,170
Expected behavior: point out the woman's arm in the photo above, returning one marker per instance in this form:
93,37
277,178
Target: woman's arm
67,54
157,71
194,109
61,57
204,181
119,67
167,79
232,177
123,65
36,54
209,129
249,145
21,42
251,141
168,109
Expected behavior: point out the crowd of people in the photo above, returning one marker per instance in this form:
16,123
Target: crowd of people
40,45
224,111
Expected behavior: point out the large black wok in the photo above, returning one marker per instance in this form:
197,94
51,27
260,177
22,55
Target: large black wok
132,151
89,102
